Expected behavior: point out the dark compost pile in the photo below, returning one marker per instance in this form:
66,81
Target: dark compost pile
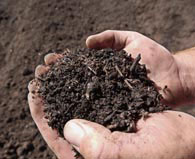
106,86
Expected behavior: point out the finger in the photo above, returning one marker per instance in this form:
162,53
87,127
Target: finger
40,70
36,106
33,86
52,58
95,141
92,139
61,147
111,39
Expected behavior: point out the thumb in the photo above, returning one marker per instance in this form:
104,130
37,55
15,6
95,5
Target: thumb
92,140
108,39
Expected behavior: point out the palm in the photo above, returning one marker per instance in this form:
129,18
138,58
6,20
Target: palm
162,135
61,147
161,66
160,63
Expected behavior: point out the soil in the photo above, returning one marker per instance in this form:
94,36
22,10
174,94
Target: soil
104,86
30,29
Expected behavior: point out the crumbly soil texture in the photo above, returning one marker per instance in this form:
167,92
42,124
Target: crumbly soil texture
104,86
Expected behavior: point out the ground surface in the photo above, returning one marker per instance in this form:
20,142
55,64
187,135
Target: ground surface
30,29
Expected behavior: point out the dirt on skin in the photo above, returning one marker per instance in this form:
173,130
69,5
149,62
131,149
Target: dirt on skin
30,29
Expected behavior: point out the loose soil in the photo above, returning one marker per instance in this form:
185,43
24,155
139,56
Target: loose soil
30,29
103,86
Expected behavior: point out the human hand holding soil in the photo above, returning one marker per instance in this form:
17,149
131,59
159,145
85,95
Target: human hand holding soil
167,130
58,145
163,135
161,64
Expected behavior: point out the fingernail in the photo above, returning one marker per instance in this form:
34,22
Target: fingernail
74,133
40,70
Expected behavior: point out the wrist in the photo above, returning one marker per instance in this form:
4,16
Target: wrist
186,74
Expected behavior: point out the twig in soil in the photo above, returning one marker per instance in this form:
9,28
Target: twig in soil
128,84
135,62
92,70
113,126
104,69
109,117
120,73
118,70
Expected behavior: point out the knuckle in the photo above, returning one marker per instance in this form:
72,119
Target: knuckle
95,150
108,151
137,34
108,31
135,44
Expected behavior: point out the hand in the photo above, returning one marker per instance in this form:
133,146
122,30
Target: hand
162,135
172,129
58,145
161,64
167,135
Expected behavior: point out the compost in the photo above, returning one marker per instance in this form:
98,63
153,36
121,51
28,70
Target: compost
104,86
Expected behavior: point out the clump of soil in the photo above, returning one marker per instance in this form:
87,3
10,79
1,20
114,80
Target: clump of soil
104,86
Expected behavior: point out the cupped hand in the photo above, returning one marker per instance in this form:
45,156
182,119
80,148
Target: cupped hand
167,135
162,135
58,145
160,63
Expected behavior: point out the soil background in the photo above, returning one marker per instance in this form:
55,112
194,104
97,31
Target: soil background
30,29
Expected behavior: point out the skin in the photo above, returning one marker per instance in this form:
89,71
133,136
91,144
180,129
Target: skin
163,135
